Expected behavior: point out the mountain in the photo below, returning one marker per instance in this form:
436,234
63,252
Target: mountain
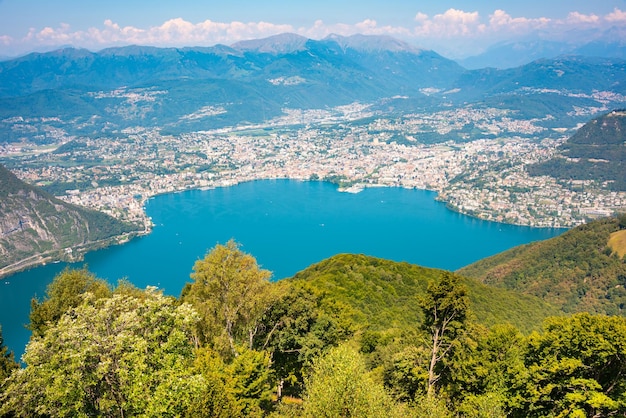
609,44
281,55
250,82
278,44
595,152
254,81
515,54
384,294
368,43
36,227
576,271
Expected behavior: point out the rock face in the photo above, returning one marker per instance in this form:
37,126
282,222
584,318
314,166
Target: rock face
36,227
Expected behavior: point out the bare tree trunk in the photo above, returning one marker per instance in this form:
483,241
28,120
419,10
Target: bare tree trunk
432,377
279,390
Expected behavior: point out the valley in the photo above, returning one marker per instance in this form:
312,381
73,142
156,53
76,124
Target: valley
481,173
108,130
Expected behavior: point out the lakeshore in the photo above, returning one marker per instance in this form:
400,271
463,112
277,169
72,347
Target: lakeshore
287,225
484,177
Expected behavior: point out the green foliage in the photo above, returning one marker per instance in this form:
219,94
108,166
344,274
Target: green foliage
382,293
130,352
249,381
7,362
445,307
231,293
216,401
571,271
115,356
67,290
406,374
239,388
575,368
298,328
340,386
488,405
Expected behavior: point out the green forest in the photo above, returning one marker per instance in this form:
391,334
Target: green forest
595,152
351,336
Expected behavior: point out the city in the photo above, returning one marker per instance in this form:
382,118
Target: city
482,175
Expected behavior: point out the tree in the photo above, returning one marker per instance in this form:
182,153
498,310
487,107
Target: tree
575,368
340,386
299,327
66,291
7,362
445,307
231,293
486,365
117,356
249,381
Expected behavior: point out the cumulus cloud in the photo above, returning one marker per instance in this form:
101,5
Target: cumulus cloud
500,21
452,23
452,26
174,32
617,16
579,18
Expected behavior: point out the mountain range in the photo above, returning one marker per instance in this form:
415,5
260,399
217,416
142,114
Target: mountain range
517,52
254,81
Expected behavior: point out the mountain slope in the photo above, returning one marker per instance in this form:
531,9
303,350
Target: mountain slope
37,227
253,82
576,271
384,294
597,151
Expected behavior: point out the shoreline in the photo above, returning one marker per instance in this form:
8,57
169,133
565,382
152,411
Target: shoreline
63,255
78,253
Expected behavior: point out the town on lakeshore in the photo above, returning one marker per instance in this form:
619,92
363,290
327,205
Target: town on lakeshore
480,173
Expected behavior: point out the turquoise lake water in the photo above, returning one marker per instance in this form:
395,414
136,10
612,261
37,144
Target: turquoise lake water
287,225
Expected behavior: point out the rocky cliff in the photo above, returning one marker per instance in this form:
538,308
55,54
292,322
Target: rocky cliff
36,227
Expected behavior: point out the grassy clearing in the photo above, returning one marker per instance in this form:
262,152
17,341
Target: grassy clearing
617,242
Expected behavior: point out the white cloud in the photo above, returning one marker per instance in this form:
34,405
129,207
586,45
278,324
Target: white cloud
450,24
174,32
500,21
455,27
617,16
579,18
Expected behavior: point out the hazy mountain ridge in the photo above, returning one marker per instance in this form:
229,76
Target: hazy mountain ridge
519,52
37,227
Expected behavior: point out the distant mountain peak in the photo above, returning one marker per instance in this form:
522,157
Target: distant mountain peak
372,43
278,44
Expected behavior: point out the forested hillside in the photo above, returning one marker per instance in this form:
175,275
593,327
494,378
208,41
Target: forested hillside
35,226
576,271
596,152
351,336
384,294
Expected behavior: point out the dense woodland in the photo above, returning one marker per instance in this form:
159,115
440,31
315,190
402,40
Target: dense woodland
352,336
595,152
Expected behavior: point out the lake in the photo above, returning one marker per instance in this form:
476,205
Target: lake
287,225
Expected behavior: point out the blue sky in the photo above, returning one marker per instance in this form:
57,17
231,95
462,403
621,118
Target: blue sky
454,28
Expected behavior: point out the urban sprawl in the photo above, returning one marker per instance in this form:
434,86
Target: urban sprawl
350,145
